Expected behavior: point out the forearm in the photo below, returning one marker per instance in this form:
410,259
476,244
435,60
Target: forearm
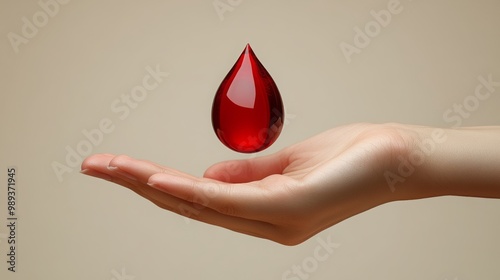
462,161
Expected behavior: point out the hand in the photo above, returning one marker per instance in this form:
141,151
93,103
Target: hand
286,197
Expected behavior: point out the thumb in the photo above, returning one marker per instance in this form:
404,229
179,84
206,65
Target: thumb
247,170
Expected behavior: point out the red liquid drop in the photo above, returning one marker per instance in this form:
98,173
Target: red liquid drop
247,113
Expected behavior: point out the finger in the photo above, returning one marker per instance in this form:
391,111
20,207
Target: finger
97,166
127,168
207,193
167,169
207,215
220,212
266,200
96,162
138,170
196,211
240,171
100,166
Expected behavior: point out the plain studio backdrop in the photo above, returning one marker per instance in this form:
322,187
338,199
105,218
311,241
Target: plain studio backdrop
72,68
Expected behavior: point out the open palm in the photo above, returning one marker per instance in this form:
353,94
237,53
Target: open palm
286,197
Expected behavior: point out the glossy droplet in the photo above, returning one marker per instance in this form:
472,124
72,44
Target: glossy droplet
247,113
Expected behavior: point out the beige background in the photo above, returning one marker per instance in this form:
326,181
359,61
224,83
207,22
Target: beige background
67,76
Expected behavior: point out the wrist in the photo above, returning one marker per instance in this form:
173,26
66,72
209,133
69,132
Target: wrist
403,177
463,161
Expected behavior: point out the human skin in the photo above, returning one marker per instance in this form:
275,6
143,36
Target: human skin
303,189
